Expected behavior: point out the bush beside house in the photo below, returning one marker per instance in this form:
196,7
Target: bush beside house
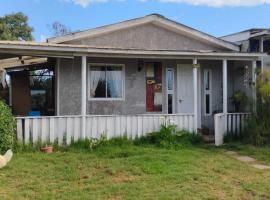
258,126
7,128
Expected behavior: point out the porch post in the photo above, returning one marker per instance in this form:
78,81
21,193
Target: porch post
225,86
261,44
254,95
57,87
261,51
83,94
195,93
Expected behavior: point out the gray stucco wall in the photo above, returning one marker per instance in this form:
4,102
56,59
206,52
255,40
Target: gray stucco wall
148,36
69,86
135,87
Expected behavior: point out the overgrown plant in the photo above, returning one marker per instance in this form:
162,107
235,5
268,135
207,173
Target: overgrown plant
95,143
258,126
169,137
239,100
7,128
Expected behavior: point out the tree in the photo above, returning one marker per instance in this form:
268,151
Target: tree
59,29
15,27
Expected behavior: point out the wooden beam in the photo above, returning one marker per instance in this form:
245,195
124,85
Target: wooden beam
195,93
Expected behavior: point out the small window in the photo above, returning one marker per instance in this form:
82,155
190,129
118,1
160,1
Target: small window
207,104
207,92
106,82
170,79
170,89
207,80
170,104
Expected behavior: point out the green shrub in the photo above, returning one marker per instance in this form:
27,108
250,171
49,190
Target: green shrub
7,128
168,138
257,131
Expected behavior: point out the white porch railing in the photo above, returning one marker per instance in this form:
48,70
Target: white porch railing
64,129
233,123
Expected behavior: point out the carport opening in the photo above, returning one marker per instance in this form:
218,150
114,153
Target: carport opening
32,89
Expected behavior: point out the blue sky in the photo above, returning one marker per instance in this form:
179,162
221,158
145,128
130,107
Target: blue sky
216,17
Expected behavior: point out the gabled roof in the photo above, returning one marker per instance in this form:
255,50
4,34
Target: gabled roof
154,19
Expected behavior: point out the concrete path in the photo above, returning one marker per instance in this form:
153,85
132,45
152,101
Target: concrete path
248,160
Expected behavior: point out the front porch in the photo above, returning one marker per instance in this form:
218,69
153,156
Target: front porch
189,87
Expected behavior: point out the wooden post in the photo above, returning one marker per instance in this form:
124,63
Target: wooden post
57,87
261,51
261,44
225,87
83,93
195,93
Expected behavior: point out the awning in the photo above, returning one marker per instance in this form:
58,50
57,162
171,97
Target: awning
69,50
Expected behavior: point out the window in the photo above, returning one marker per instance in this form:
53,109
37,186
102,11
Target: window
254,45
207,92
106,82
170,89
266,46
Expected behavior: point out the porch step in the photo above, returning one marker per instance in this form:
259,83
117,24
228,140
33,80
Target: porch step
208,138
207,135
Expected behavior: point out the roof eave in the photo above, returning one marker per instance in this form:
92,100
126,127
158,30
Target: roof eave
64,51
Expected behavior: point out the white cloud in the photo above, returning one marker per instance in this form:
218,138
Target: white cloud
43,38
217,3
85,3
211,3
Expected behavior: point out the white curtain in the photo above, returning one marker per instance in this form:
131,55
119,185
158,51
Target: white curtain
94,79
114,79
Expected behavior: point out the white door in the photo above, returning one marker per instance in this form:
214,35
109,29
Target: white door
185,88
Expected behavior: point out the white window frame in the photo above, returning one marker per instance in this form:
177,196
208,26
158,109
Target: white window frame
207,92
170,91
106,65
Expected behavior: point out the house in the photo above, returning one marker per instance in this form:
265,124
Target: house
123,78
253,40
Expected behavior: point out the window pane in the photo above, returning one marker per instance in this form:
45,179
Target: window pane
207,104
170,79
114,82
266,46
207,80
254,45
98,82
170,104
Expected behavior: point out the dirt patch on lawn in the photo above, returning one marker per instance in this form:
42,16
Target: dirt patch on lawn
124,178
115,197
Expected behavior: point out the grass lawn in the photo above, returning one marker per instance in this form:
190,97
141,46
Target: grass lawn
132,172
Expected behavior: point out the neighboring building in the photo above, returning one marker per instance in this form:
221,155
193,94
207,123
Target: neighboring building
140,67
253,40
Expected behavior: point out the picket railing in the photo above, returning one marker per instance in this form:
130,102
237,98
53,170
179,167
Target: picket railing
230,123
64,129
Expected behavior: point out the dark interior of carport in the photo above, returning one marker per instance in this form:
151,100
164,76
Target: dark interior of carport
30,88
